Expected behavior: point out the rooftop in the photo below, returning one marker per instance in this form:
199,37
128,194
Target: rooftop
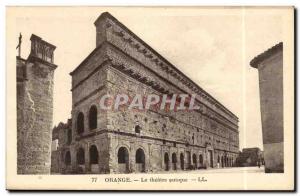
266,54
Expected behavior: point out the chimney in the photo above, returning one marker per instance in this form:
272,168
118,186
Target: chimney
41,49
102,23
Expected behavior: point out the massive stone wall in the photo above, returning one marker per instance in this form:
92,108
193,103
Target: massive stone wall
124,64
124,40
270,69
34,113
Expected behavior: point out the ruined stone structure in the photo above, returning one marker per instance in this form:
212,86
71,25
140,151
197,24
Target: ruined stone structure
125,141
35,108
270,69
61,140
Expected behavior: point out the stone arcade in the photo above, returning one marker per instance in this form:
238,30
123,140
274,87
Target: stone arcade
123,141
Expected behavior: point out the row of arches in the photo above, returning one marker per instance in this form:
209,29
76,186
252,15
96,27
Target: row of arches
92,119
190,165
225,161
172,161
80,156
123,160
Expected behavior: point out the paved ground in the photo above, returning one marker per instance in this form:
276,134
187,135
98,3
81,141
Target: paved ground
224,170
236,170
216,170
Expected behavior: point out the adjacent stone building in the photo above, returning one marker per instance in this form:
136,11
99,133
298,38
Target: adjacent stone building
125,141
250,157
270,69
35,108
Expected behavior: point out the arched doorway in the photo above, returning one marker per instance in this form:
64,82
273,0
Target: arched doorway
123,160
80,160
188,156
94,159
200,160
80,156
166,161
194,161
181,161
227,164
140,160
223,162
68,158
174,161
218,161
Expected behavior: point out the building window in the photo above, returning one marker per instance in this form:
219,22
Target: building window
137,129
80,123
193,138
93,118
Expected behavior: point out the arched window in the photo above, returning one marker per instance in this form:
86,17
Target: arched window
80,123
93,155
69,136
137,129
93,117
80,156
68,158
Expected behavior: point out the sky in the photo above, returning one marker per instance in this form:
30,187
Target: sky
212,46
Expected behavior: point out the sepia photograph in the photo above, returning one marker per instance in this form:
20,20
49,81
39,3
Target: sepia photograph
150,98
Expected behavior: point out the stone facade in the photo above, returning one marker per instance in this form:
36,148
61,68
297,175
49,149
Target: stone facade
125,141
35,108
270,69
61,139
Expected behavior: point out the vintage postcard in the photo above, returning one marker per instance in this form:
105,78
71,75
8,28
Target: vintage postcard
150,98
